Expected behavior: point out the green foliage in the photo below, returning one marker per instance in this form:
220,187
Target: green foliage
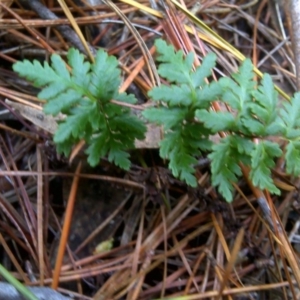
84,93
184,138
184,104
182,108
225,167
290,129
262,160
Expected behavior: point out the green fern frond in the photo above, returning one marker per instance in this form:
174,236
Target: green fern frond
83,93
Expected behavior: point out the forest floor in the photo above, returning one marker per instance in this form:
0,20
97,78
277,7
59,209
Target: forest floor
140,234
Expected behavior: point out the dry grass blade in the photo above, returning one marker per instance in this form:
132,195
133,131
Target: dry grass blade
233,257
14,260
293,11
40,219
7,3
276,226
147,55
76,28
66,228
215,39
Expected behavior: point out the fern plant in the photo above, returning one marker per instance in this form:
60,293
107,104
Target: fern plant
83,93
177,103
183,109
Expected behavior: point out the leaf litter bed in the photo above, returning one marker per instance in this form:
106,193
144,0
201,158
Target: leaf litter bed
141,234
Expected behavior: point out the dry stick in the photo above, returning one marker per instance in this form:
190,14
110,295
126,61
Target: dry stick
13,259
230,265
66,228
276,227
196,267
23,134
40,210
65,30
126,182
34,33
228,254
135,72
260,8
294,12
24,201
88,49
185,262
138,283
141,229
148,57
34,23
165,274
